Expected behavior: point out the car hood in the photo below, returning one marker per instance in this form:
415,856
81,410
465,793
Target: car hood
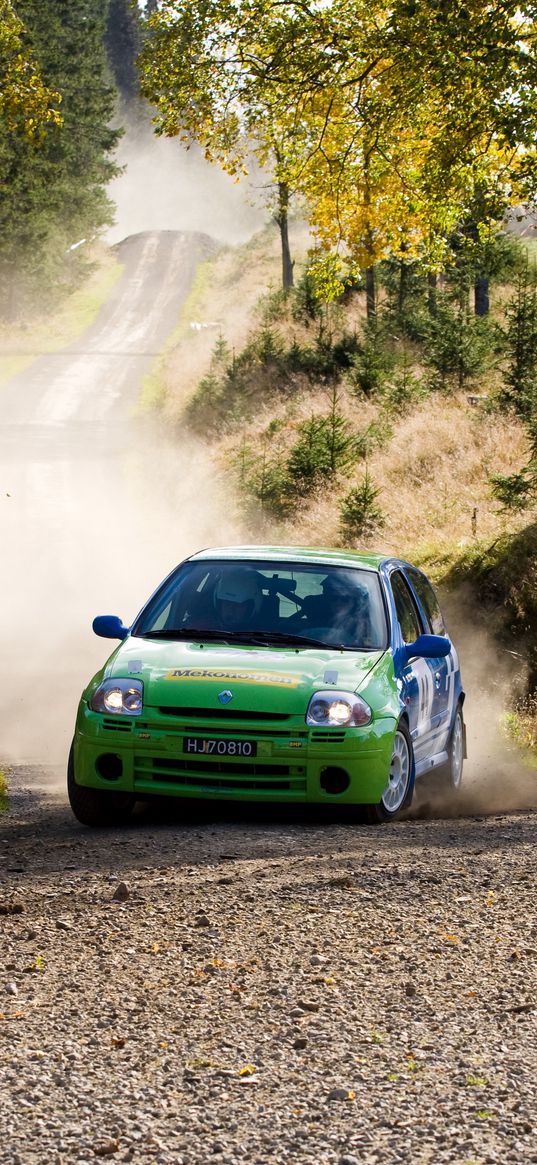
182,674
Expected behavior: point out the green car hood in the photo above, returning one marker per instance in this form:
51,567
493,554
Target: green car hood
183,674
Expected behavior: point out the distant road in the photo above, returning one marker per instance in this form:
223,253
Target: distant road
95,381
95,503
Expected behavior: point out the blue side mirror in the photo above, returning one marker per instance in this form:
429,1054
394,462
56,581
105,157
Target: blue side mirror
109,627
427,647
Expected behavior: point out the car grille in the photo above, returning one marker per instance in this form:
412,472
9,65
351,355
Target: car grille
217,775
331,737
221,714
118,725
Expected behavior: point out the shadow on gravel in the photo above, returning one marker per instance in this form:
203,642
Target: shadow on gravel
39,835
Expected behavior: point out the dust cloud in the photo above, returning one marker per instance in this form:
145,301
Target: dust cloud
164,186
81,538
496,779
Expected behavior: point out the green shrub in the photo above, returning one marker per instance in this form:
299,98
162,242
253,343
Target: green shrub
403,390
372,363
521,345
515,492
459,345
360,515
307,306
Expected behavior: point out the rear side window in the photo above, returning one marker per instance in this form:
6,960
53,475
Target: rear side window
428,601
407,612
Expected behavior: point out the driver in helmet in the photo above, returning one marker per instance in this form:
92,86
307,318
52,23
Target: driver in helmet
237,599
345,613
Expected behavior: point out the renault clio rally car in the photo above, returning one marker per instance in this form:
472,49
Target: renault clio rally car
273,675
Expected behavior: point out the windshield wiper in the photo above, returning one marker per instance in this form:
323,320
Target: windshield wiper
183,633
228,636
288,637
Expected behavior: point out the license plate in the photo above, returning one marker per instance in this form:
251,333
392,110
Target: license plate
213,747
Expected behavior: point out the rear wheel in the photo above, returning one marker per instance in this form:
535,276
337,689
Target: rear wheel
95,806
399,790
451,774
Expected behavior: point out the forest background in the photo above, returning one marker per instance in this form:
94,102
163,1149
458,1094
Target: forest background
382,389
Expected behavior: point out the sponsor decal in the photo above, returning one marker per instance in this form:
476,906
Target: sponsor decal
240,677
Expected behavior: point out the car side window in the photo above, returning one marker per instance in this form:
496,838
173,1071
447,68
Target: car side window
407,612
428,601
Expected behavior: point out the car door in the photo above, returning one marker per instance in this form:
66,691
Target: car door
415,675
444,669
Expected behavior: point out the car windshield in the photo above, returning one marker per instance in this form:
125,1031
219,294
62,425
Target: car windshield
269,602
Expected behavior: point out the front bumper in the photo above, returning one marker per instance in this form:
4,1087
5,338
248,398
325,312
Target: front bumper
293,763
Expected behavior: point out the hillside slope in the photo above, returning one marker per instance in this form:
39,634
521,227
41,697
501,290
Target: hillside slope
431,456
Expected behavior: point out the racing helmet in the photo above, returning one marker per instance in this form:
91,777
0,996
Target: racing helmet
343,584
239,586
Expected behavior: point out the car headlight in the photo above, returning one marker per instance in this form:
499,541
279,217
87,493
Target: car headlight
340,709
123,697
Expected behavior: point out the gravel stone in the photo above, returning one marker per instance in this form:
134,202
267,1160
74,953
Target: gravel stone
121,892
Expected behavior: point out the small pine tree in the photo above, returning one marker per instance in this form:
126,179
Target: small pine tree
515,492
326,445
406,310
307,306
372,363
403,389
521,373
309,459
360,515
459,344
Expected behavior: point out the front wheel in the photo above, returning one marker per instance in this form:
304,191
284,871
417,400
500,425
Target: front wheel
95,807
400,788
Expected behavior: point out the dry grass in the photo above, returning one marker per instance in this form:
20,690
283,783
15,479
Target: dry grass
435,472
433,475
21,344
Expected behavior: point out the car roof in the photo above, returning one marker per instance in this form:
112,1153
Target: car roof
305,554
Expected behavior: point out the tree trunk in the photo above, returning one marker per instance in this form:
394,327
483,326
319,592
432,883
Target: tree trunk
403,287
481,297
282,219
370,293
432,288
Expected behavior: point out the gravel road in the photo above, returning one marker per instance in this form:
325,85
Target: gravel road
268,990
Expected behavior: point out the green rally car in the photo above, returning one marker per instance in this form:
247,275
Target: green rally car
272,675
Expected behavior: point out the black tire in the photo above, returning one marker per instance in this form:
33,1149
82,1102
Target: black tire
95,807
400,788
450,775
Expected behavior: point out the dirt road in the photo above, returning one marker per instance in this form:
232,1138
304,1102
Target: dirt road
267,989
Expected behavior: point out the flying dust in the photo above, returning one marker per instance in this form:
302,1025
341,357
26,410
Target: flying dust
164,186
496,777
81,537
